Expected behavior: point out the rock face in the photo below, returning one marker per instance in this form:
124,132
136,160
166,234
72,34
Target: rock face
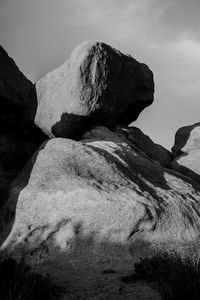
85,211
97,85
16,91
19,137
142,143
98,205
138,141
186,151
187,139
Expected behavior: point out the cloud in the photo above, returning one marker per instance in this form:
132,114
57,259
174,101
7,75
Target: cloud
182,18
158,20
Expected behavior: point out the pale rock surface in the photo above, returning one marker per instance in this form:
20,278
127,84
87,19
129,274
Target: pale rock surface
81,209
188,164
186,151
97,85
187,139
137,140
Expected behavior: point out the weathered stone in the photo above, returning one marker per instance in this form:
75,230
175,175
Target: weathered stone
19,137
97,205
16,91
136,139
97,85
188,164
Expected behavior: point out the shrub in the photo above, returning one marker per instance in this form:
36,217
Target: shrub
17,282
174,278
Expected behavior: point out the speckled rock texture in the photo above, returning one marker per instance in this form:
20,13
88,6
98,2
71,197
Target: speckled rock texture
80,210
97,85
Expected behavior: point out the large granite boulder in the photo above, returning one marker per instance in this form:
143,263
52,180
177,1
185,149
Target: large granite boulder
186,151
19,137
97,85
83,211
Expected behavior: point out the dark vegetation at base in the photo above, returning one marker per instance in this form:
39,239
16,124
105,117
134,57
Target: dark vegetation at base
18,282
175,279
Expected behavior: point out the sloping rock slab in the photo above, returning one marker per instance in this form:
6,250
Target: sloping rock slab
83,208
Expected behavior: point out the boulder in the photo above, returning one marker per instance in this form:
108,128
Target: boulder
83,211
186,151
19,137
16,91
187,139
137,140
97,85
188,165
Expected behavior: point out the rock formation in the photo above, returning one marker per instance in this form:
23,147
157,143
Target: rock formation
92,201
19,137
138,140
97,85
98,204
103,187
186,151
16,91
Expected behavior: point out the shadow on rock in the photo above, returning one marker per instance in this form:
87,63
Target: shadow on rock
71,126
8,208
86,268
19,139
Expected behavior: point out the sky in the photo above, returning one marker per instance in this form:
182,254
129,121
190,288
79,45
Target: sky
41,34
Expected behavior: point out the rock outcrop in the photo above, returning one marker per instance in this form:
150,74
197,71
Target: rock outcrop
98,205
97,85
92,201
19,137
141,142
137,140
16,91
186,151
187,139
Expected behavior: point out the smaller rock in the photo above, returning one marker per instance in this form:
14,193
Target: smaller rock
188,165
15,88
186,151
187,138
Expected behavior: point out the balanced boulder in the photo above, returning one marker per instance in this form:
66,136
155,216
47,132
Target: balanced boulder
97,85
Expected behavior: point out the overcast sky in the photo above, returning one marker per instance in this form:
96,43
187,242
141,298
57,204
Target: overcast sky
165,34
